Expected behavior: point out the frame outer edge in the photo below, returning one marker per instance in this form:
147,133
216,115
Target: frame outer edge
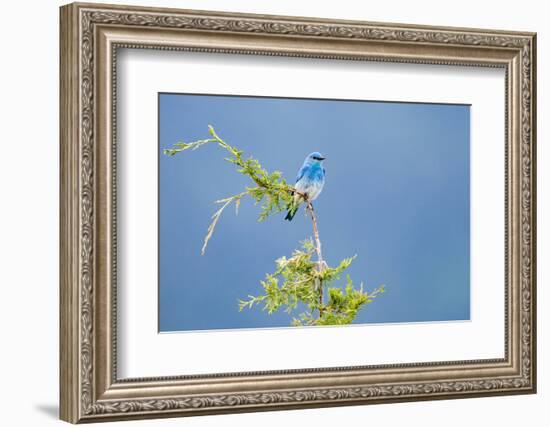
69,354
77,226
533,112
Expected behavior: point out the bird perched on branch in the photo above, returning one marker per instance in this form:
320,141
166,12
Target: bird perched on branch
309,182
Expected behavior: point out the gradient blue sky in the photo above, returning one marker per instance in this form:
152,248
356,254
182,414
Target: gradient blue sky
397,194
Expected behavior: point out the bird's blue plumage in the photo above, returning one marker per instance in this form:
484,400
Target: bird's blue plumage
301,172
309,182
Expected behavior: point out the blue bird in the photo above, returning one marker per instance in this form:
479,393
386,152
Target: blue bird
309,182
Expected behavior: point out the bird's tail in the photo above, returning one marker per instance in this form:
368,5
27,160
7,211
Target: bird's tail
292,209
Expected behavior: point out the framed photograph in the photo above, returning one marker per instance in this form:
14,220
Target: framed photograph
267,212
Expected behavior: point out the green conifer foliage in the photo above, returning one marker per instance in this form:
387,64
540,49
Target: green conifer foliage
304,282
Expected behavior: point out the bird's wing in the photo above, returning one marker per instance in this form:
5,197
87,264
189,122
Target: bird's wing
301,172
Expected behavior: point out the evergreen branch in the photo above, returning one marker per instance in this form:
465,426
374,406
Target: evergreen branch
298,279
226,202
321,265
270,190
182,146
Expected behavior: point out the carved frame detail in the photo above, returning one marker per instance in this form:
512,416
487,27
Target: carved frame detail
87,397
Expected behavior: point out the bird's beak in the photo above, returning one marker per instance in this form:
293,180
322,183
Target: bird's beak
322,158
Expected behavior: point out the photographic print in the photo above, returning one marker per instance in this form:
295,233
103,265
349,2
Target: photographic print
292,212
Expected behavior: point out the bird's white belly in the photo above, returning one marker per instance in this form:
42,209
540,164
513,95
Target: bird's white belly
311,189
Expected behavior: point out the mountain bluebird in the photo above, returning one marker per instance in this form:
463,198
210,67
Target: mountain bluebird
309,182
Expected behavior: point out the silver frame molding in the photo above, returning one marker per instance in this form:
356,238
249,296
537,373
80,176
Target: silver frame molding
90,36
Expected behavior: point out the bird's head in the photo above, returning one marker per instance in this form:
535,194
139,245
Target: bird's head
315,157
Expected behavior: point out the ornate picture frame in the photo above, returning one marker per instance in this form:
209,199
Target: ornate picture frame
90,37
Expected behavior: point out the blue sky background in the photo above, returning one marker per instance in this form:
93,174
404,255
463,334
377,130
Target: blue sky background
397,194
